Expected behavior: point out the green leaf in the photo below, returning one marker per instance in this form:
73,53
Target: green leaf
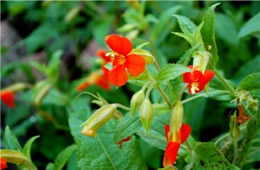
250,82
101,152
17,158
251,27
156,136
208,156
189,39
139,80
27,147
162,28
208,35
186,25
127,127
54,65
171,71
63,157
185,59
40,67
226,29
10,140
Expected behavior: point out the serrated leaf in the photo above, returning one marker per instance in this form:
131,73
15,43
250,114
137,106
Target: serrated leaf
127,127
171,71
189,39
63,157
155,136
251,27
101,152
186,25
250,82
17,158
208,35
208,156
10,140
27,147
185,59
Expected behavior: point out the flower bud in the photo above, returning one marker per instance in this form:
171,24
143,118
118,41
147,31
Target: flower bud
98,119
41,94
16,87
136,101
234,129
201,59
146,114
176,119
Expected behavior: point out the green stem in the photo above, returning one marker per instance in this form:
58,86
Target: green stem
161,92
235,151
204,95
157,66
224,82
122,107
164,96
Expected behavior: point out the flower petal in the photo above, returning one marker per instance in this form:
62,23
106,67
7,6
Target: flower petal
135,64
166,131
208,75
7,97
119,44
185,132
83,86
187,77
103,80
170,154
102,55
197,76
118,76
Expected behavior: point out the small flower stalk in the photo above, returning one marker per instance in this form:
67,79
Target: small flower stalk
98,119
146,114
136,101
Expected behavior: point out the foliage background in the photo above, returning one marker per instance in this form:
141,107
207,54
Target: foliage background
34,31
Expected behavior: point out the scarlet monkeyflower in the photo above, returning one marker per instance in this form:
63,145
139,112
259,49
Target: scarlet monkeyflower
123,60
120,143
3,163
197,80
174,142
7,97
100,77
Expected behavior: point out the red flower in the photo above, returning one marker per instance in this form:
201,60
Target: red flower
102,55
174,143
135,64
3,163
196,80
120,143
7,97
99,78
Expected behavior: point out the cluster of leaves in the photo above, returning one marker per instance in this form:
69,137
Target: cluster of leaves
49,107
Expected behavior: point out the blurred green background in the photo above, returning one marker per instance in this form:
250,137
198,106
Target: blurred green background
34,31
